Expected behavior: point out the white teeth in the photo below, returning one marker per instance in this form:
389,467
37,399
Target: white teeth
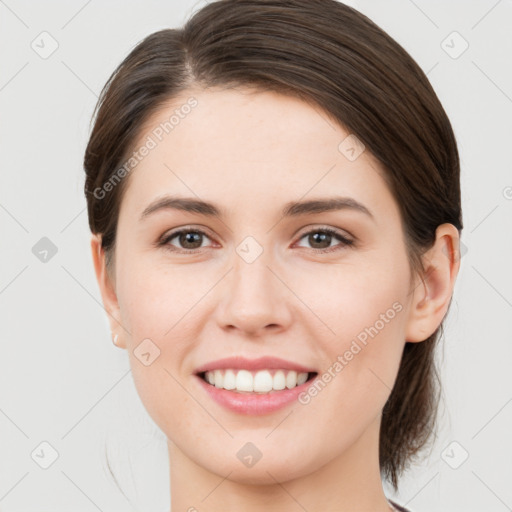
279,381
218,378
229,379
261,381
291,379
301,378
244,381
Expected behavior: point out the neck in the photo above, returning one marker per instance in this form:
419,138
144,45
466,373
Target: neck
346,483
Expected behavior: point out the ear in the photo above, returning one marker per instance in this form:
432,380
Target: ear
107,290
433,291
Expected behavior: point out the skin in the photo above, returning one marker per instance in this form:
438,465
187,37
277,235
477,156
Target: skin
251,152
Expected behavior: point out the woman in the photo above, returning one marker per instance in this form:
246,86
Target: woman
273,192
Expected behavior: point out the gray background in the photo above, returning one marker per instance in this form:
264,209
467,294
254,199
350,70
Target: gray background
63,382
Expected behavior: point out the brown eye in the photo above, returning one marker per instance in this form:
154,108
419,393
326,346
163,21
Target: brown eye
320,239
189,240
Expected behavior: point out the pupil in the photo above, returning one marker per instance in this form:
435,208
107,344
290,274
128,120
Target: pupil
191,237
322,237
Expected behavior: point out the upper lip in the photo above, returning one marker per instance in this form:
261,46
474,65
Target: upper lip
261,363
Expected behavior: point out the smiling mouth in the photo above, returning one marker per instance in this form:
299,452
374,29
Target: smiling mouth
256,382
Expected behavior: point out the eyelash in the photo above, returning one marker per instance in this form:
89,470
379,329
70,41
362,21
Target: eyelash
345,242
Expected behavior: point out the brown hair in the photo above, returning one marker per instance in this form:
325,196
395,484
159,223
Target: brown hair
332,56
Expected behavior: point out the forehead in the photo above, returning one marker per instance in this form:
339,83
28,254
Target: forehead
247,122
244,144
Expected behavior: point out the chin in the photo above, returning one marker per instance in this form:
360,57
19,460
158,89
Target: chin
265,471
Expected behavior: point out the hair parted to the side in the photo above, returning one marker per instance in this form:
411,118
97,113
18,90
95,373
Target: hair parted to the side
334,57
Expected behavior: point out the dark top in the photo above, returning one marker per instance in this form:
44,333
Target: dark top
398,507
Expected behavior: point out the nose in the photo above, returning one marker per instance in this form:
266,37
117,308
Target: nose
254,298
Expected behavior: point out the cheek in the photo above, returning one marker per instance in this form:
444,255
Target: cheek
153,298
157,308
359,292
364,307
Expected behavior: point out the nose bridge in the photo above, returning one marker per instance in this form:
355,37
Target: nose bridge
254,297
251,279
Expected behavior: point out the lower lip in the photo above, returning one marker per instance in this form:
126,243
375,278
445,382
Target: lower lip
254,403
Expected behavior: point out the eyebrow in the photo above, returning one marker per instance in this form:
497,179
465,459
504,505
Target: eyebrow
291,209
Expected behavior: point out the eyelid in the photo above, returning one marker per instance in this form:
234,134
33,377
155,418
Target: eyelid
319,227
173,232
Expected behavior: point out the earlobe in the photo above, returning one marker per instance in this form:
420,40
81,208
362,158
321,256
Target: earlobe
106,286
433,293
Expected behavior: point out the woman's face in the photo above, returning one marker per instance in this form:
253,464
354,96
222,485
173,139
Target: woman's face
260,283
